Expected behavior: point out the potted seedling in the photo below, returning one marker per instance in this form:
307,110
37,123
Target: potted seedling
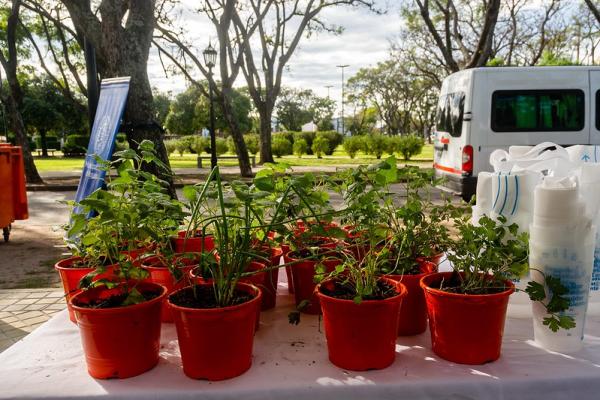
119,314
360,313
402,267
216,318
467,307
193,238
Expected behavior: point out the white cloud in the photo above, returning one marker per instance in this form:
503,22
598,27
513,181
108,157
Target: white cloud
364,42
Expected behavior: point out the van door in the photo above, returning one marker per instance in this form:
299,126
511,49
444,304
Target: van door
595,107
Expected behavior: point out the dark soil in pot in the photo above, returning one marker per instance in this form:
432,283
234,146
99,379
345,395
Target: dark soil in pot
453,285
204,297
341,290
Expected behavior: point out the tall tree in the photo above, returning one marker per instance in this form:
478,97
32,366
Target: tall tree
46,109
293,108
458,33
230,46
280,32
122,37
161,104
13,98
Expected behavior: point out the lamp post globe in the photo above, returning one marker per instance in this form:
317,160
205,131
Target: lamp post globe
210,58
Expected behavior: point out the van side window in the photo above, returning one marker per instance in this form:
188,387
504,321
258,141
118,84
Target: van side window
449,117
538,110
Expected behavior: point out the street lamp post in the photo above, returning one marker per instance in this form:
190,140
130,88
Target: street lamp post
342,67
210,58
328,87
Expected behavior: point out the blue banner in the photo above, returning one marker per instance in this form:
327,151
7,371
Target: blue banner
111,104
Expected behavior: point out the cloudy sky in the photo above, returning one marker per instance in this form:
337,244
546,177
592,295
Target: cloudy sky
364,42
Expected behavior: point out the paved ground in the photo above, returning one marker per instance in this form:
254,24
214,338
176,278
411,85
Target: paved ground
23,310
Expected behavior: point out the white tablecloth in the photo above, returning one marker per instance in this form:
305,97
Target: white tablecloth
291,362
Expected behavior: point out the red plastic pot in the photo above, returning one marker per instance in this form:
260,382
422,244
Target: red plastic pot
436,258
216,343
328,243
413,313
285,248
303,275
194,244
258,280
70,277
160,273
269,284
465,329
361,336
119,342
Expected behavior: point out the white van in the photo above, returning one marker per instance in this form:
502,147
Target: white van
484,109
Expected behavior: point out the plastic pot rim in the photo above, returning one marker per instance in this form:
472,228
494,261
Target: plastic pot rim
426,280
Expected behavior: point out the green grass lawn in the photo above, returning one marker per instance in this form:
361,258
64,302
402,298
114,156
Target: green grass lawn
339,157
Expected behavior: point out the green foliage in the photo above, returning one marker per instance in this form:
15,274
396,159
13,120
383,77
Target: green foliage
181,146
281,146
52,142
557,303
408,146
221,146
320,146
161,103
240,104
252,143
377,145
201,145
300,147
488,249
334,139
292,108
134,211
552,59
287,135
75,145
306,136
171,146
353,144
181,117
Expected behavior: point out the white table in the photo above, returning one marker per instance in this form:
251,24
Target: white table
290,362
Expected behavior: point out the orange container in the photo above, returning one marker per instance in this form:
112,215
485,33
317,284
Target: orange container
7,215
19,185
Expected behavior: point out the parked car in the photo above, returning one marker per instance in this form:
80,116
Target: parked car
483,109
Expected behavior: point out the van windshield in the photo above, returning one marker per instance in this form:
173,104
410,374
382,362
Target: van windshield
537,110
449,117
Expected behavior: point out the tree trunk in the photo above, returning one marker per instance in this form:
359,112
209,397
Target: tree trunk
236,134
18,128
123,51
266,154
14,99
139,120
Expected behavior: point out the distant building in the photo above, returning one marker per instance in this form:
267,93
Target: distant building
310,127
